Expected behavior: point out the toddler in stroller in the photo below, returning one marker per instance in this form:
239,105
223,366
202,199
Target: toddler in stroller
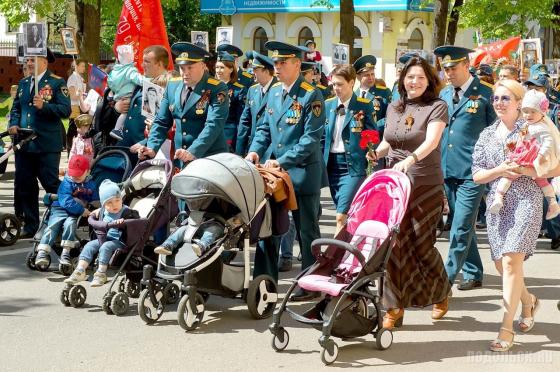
114,213
74,193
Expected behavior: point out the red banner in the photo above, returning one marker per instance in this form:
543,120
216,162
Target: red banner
141,24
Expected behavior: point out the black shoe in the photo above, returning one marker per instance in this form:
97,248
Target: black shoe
303,295
469,284
481,225
447,227
555,243
285,264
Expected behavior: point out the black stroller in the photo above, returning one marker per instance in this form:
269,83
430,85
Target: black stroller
114,163
147,192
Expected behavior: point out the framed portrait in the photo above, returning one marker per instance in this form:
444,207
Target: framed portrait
534,45
552,66
69,40
35,36
20,45
341,54
428,56
152,95
528,58
200,38
224,35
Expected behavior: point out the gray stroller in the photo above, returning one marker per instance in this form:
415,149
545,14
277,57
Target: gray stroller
221,188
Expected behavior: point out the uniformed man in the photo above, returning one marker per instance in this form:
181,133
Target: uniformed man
379,95
244,77
470,111
196,103
395,96
41,111
257,96
293,125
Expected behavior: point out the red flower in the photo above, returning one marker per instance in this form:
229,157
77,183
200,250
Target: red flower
369,136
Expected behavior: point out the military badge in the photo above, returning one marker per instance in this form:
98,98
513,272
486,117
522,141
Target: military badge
376,104
294,113
64,91
473,104
230,93
46,93
358,125
317,108
221,97
203,102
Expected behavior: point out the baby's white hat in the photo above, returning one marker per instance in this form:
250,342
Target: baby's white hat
535,100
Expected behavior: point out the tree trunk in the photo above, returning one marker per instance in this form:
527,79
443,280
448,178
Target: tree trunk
453,22
347,24
89,30
441,7
556,32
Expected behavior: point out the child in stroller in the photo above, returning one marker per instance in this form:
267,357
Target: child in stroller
114,213
74,193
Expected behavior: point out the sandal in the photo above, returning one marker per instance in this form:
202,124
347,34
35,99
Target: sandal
499,345
526,324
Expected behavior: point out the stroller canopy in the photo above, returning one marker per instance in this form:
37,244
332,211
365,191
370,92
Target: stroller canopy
225,176
382,197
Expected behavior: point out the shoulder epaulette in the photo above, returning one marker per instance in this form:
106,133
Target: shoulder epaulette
238,84
363,100
276,84
330,99
321,86
487,84
213,81
246,74
308,87
381,87
55,76
176,79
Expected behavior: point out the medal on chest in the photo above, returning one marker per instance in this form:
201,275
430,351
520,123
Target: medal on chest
230,93
376,104
294,113
46,93
472,104
358,123
203,102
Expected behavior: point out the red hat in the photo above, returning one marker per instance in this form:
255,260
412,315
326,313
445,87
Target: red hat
78,165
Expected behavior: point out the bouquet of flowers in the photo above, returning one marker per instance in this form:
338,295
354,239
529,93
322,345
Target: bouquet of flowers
369,141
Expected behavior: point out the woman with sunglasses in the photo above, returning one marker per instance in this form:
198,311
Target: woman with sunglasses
513,232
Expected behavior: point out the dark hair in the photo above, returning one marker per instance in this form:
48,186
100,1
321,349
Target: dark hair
512,69
231,66
432,90
345,71
159,52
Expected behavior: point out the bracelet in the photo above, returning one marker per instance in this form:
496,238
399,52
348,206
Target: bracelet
414,156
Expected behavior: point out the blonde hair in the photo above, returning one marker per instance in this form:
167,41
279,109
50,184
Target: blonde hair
513,86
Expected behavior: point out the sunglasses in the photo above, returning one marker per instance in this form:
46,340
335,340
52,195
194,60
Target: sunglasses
504,99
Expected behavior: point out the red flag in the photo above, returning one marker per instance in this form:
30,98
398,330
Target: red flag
501,48
141,24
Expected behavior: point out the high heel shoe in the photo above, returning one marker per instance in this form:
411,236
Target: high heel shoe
393,318
499,345
440,309
529,322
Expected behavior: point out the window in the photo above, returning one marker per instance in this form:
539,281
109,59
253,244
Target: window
416,40
259,38
358,42
304,35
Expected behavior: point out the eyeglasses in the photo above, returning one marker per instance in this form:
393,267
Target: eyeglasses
504,99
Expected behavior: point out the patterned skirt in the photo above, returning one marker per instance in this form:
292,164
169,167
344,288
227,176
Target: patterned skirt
415,272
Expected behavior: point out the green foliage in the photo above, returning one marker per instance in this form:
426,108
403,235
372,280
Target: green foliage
183,16
326,3
505,18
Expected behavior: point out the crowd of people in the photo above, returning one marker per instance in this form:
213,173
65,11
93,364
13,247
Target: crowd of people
465,137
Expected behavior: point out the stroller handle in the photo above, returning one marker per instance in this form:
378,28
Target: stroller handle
317,243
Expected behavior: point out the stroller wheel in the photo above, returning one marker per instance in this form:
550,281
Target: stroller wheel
65,270
172,293
188,317
77,296
107,303
132,289
30,259
9,229
64,297
44,267
280,340
329,352
119,303
383,339
262,296
148,311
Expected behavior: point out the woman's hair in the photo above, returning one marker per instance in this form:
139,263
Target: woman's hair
513,86
345,71
432,90
231,66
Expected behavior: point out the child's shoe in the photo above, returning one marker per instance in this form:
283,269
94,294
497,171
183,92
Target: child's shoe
163,250
497,204
76,277
65,258
42,258
198,248
98,279
553,210
117,134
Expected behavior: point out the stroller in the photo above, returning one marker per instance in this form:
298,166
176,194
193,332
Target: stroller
147,192
215,188
350,275
114,163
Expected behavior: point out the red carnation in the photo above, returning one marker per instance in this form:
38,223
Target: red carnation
368,141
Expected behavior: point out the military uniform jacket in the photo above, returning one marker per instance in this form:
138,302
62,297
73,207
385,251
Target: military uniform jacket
252,117
467,119
359,117
199,123
236,93
133,130
294,129
326,91
46,122
246,79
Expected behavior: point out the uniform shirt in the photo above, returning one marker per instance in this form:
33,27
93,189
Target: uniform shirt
338,144
465,86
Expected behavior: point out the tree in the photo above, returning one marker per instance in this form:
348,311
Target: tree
346,20
441,9
453,22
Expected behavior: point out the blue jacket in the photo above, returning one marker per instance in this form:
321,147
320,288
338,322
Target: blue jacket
46,122
69,191
467,120
351,133
237,94
133,129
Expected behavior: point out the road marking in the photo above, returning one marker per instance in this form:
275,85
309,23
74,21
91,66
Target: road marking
14,251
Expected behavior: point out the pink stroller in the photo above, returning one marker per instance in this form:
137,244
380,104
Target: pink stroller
350,275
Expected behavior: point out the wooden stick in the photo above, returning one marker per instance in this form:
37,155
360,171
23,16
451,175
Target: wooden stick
36,75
